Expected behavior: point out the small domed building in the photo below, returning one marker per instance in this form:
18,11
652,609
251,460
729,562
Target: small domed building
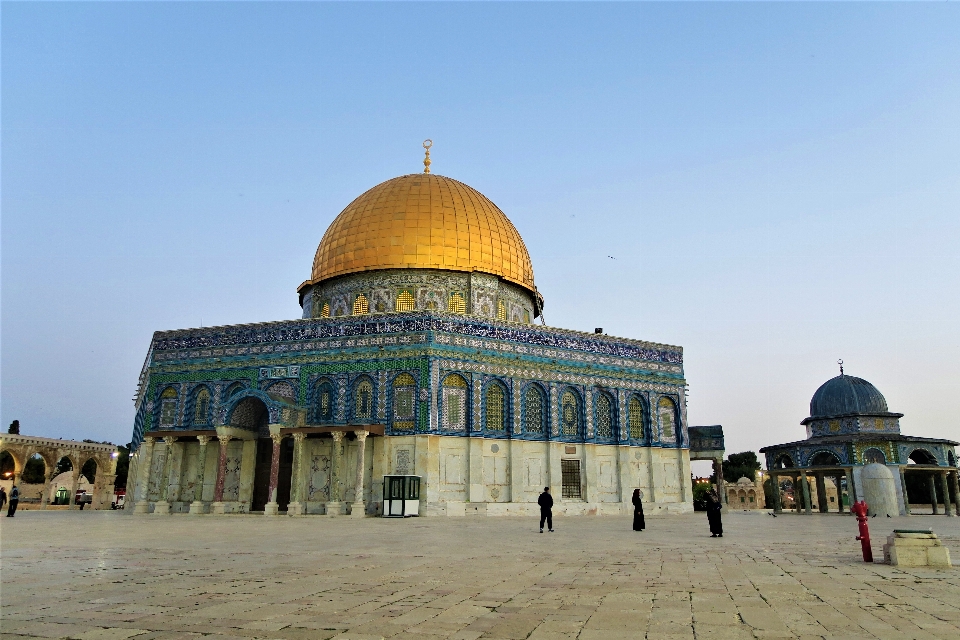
417,354
849,427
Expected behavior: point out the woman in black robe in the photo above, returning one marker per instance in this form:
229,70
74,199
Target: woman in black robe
713,515
638,523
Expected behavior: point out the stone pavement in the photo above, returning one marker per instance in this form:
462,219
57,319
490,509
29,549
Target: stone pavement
112,575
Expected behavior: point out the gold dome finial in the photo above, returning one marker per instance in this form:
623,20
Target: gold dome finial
426,161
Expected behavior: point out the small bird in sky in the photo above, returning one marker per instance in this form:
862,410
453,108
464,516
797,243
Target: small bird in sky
611,257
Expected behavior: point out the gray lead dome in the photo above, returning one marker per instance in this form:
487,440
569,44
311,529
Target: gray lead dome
846,395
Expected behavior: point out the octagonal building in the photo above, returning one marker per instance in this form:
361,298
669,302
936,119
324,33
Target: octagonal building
417,353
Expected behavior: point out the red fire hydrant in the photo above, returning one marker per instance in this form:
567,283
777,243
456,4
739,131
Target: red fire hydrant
859,509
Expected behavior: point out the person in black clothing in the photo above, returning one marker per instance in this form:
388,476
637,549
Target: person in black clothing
3,498
638,522
14,501
713,515
546,509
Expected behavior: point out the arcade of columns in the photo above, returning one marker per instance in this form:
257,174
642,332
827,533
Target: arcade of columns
949,485
297,505
52,450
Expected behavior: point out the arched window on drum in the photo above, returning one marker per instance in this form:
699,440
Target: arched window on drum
360,305
404,407
495,407
635,418
534,414
454,401
570,414
667,413
405,301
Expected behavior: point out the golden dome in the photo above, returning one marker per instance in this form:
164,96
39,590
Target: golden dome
423,221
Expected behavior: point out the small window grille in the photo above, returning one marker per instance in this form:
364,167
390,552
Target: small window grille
635,411
604,417
405,301
364,397
495,406
501,310
526,316
202,407
534,411
570,478
360,305
569,413
456,303
454,402
324,402
325,310
168,406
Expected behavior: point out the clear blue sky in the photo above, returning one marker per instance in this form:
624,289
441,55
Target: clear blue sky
779,184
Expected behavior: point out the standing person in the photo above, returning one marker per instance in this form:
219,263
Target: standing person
546,509
3,498
638,522
713,515
14,501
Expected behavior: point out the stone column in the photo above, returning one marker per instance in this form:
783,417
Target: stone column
955,478
933,493
143,484
947,511
839,480
197,506
297,506
218,505
48,479
775,489
75,480
359,508
335,506
822,503
903,489
805,487
162,507
272,508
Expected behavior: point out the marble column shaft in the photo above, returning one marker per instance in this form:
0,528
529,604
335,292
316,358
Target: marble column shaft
167,467
297,479
201,468
358,500
931,481
336,464
903,489
274,467
947,511
221,468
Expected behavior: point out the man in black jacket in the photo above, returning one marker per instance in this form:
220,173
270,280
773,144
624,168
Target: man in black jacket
546,509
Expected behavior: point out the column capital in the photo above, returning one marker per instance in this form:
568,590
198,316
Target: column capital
224,439
299,437
149,441
338,436
169,440
203,440
361,434
277,438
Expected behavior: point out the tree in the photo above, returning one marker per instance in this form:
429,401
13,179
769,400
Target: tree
123,466
14,428
89,470
33,471
740,465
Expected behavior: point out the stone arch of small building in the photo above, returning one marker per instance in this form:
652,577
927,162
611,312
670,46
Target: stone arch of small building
922,456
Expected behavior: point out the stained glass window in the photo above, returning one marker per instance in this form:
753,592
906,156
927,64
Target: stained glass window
324,401
569,411
325,310
635,411
533,406
501,310
495,406
201,408
456,303
667,411
364,400
360,305
604,417
404,387
454,402
405,301
168,406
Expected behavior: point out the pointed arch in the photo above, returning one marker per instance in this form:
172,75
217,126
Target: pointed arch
667,418
570,413
199,408
404,402
363,399
534,409
360,305
604,416
405,301
454,403
635,417
323,401
495,406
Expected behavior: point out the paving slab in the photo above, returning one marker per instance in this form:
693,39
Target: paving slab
280,578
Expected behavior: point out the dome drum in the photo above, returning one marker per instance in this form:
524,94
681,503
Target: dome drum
406,290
